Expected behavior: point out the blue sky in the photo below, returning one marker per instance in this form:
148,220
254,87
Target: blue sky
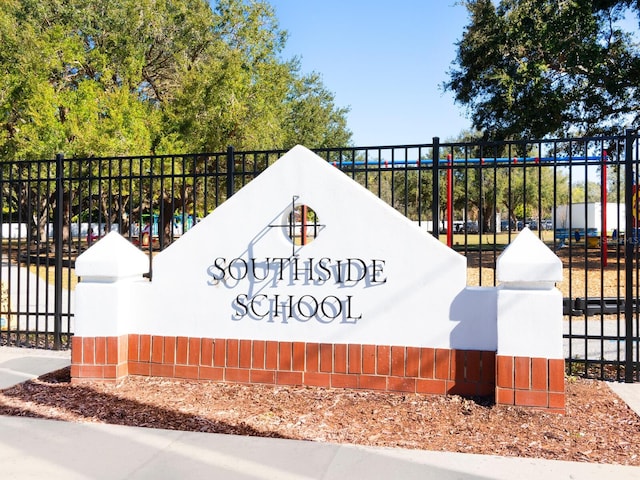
385,60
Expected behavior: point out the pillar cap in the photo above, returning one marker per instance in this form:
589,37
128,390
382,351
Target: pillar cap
112,257
528,260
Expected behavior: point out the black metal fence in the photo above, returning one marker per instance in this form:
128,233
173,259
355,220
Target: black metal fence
577,194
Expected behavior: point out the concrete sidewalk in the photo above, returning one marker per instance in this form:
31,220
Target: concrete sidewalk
18,365
40,448
31,448
629,392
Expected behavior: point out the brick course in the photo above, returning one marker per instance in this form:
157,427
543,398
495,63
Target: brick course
369,367
520,381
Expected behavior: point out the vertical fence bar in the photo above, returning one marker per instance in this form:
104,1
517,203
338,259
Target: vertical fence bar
230,171
4,307
619,251
435,205
450,200
58,219
630,237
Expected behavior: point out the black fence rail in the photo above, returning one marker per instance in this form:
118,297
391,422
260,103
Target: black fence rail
578,195
591,306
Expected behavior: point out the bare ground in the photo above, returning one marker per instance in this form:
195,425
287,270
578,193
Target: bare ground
584,272
598,427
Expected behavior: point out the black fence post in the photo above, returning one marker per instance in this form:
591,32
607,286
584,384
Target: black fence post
230,171
629,251
58,221
435,199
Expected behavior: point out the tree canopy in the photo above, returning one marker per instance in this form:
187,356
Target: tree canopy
124,77
532,68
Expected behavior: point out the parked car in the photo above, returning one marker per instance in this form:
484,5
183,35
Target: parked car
472,227
507,225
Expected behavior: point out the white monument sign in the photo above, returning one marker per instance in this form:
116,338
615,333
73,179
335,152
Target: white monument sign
366,274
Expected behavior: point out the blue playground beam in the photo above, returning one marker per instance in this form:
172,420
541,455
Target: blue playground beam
475,161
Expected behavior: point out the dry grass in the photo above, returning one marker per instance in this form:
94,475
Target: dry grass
69,277
583,275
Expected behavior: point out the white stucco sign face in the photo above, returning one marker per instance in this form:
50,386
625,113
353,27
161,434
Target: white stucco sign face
304,253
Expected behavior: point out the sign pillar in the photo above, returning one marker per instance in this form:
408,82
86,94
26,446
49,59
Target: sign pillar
529,360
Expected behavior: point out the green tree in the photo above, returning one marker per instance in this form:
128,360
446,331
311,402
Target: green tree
586,192
530,68
103,77
312,116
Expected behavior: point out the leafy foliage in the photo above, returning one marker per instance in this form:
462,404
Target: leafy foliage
529,68
104,77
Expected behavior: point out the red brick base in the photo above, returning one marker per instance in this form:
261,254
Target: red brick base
521,381
99,358
530,382
370,367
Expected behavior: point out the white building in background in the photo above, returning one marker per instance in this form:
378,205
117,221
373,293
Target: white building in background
588,217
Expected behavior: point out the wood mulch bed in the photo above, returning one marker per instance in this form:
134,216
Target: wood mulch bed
598,427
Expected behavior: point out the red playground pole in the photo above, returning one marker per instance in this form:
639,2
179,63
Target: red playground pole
449,201
604,247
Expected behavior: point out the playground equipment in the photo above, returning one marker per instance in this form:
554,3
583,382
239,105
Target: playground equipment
148,232
450,163
415,163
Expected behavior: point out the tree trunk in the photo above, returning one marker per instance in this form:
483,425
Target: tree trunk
488,219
